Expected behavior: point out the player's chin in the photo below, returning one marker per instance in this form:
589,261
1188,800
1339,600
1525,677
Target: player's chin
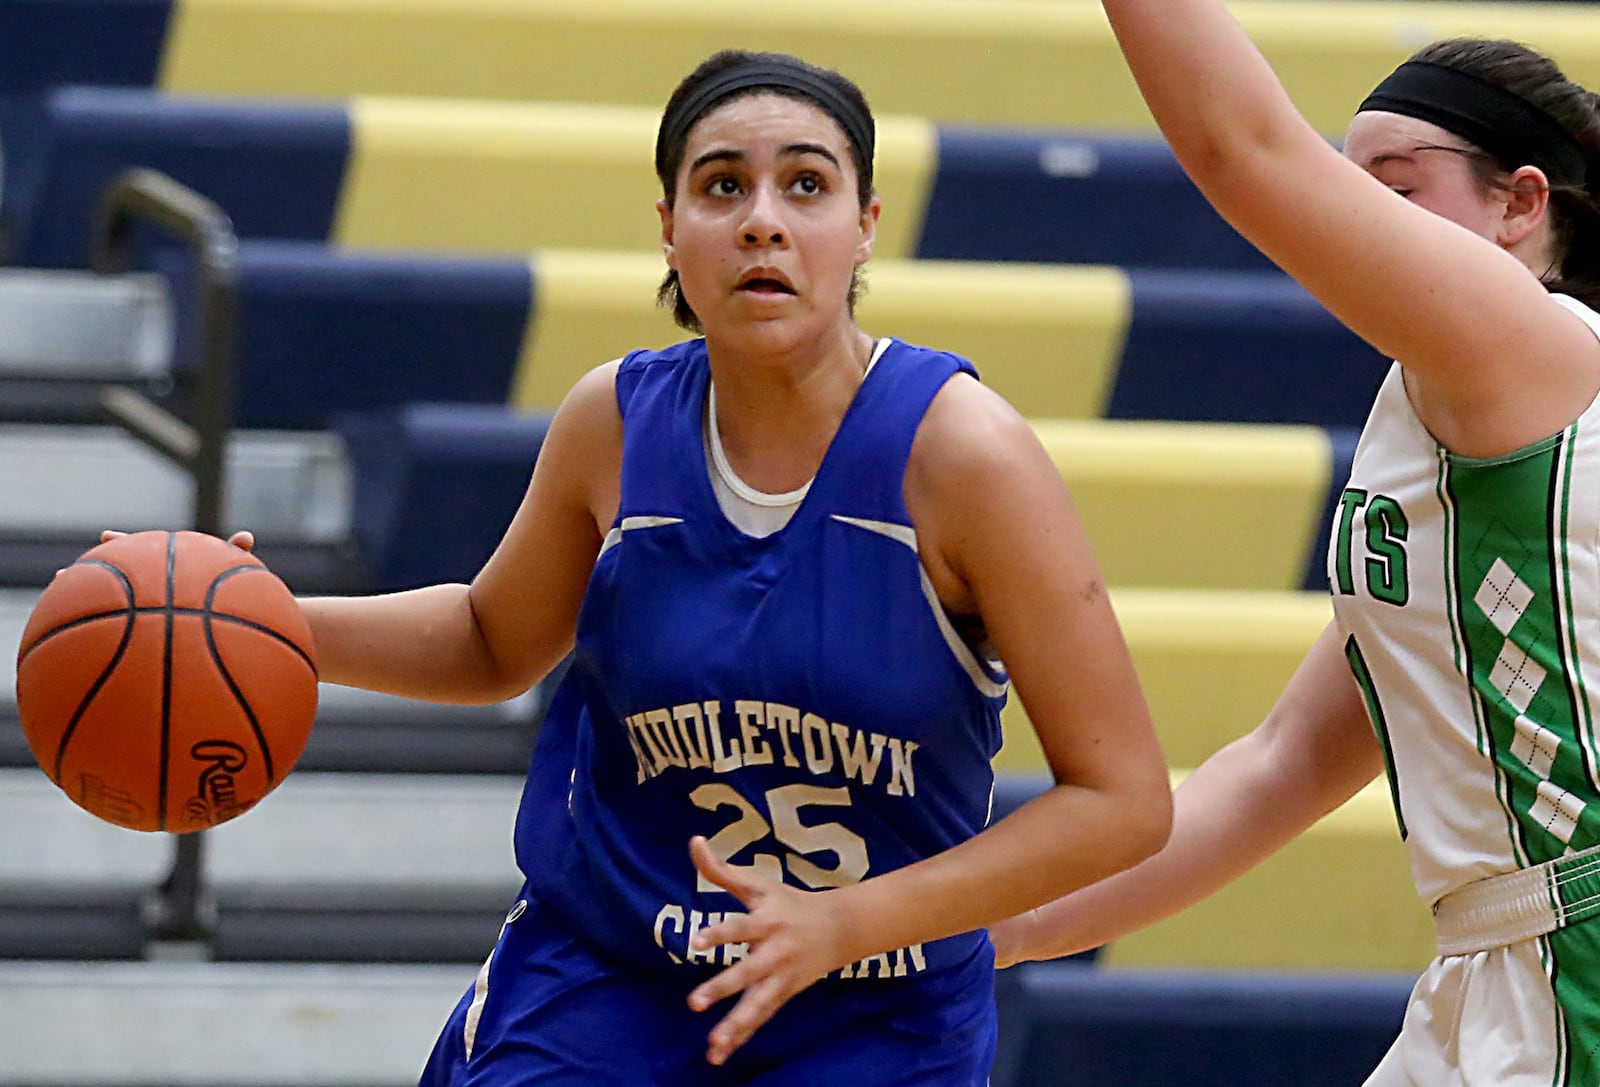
768,328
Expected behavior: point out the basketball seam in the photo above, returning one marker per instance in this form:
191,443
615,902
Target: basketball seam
227,677
102,678
228,617
164,780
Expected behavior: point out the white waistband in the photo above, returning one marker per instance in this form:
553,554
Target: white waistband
1514,906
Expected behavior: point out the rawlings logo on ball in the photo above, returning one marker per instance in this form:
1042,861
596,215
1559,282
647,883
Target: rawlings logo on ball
216,798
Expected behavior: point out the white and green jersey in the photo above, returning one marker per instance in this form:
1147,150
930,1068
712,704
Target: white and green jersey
1468,592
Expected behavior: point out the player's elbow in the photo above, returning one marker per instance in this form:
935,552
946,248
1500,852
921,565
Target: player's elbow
1150,817
1137,791
500,678
1142,807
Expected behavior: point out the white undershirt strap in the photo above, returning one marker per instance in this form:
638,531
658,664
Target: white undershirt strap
755,513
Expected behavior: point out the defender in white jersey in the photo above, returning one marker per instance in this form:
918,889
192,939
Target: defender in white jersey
1458,233
769,764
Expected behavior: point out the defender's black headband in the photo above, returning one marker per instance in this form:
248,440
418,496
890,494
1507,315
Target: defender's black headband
1500,122
855,121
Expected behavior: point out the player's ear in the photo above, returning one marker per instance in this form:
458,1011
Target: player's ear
869,230
1527,199
664,210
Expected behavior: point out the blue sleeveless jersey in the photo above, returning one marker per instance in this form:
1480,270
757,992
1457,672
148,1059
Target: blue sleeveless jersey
801,700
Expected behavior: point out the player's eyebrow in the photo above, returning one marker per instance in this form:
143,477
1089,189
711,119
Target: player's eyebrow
1406,156
810,149
792,150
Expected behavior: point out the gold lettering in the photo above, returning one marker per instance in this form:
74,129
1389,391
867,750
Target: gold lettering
814,740
784,720
752,715
637,734
659,723
900,768
692,731
721,761
854,761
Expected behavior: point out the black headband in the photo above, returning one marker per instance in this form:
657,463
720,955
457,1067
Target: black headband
855,121
1501,122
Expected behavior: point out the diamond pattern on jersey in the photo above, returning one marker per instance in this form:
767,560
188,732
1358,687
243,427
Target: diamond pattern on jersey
1503,597
1516,675
1535,745
1557,810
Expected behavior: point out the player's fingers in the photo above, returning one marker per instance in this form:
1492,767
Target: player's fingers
758,1004
725,983
109,534
244,540
737,928
735,881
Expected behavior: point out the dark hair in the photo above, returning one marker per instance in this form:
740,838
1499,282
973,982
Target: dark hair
790,77
1539,81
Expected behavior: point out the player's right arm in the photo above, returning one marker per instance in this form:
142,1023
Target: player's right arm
1313,752
1497,362
494,638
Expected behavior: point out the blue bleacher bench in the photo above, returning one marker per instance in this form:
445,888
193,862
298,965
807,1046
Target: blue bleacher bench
1071,1023
322,329
984,61
421,467
460,176
1191,513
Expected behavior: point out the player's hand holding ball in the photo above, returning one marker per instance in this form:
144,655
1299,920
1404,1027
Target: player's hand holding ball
167,680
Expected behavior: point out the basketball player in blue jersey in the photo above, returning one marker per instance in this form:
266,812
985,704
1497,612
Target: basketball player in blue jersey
1458,233
788,559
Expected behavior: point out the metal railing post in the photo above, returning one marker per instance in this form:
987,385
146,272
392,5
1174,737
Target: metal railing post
180,909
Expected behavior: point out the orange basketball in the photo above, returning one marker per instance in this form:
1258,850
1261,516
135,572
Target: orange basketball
166,681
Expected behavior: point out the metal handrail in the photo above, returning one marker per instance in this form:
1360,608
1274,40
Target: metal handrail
180,911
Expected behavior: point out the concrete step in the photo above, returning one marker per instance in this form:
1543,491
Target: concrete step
66,324
316,830
58,480
327,868
221,1024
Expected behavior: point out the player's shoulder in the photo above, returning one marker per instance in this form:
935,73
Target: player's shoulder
972,447
968,423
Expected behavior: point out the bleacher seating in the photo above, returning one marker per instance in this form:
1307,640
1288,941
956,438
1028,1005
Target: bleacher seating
484,177
474,179
207,1024
1172,505
430,252
1063,342
995,62
1058,341
1156,1029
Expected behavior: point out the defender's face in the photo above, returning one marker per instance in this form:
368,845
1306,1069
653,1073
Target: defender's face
1426,164
767,230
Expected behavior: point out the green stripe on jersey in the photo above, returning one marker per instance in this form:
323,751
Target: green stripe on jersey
1509,591
1380,725
1573,963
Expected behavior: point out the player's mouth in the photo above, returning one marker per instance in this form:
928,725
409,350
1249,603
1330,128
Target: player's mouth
765,283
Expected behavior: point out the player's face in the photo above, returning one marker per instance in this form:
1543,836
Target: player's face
1429,166
767,229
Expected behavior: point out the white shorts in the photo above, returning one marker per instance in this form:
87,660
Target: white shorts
1523,1015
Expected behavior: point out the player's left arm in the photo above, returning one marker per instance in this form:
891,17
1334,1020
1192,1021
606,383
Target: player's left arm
1000,539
